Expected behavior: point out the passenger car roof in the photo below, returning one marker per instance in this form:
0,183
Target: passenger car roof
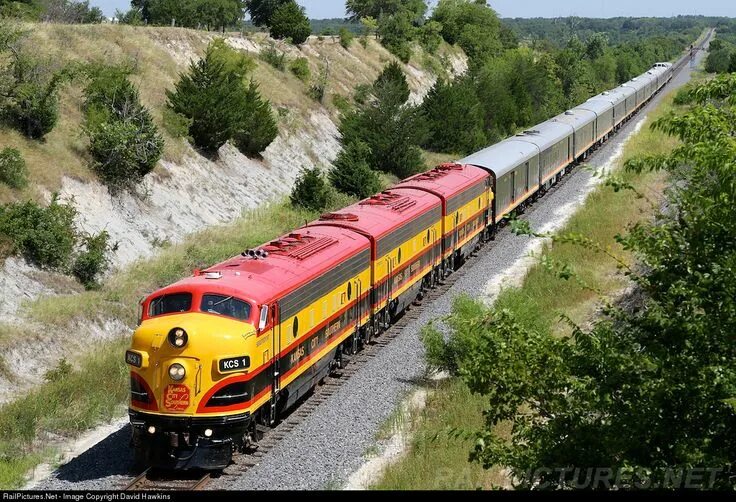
577,118
503,156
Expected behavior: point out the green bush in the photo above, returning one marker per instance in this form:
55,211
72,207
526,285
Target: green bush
176,124
273,56
393,75
318,89
352,175
124,142
30,11
62,370
472,25
13,170
125,150
310,191
396,33
392,128
34,110
718,61
93,261
108,87
206,95
430,36
362,92
132,16
29,85
289,21
45,236
341,103
257,126
261,11
346,38
214,95
300,68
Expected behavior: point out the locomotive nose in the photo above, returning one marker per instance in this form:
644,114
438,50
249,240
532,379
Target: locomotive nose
179,379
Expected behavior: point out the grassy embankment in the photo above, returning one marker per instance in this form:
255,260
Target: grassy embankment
434,461
158,55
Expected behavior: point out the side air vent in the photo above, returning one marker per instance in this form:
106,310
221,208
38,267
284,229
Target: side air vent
138,394
235,393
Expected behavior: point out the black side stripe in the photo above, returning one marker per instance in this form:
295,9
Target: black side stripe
302,297
407,231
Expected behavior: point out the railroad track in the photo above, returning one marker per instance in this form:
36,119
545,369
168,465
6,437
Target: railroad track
271,437
243,462
151,479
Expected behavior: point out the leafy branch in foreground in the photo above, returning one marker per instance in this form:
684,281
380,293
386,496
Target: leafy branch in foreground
648,390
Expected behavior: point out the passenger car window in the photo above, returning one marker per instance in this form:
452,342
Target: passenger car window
168,304
227,306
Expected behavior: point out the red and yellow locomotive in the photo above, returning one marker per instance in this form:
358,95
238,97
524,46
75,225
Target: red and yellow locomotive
235,345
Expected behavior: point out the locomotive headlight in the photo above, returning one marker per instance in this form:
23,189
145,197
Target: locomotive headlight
178,337
208,432
177,372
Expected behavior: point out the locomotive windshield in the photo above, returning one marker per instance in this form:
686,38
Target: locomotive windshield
169,304
227,306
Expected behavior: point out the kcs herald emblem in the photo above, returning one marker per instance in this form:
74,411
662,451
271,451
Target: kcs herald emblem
176,397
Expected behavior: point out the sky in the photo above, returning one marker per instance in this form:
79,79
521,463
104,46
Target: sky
320,9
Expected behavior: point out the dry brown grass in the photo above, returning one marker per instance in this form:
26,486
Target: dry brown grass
159,56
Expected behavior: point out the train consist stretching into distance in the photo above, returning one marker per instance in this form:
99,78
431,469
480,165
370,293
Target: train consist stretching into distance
233,346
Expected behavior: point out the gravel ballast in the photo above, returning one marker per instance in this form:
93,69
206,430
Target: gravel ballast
326,447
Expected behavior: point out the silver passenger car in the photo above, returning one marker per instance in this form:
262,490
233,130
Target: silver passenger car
617,98
641,86
583,123
604,114
514,169
555,143
629,94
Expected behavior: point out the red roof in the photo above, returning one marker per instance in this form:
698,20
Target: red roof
382,213
446,180
292,260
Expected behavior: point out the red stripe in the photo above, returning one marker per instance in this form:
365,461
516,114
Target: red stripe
203,408
468,221
151,405
302,362
323,323
403,267
420,272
